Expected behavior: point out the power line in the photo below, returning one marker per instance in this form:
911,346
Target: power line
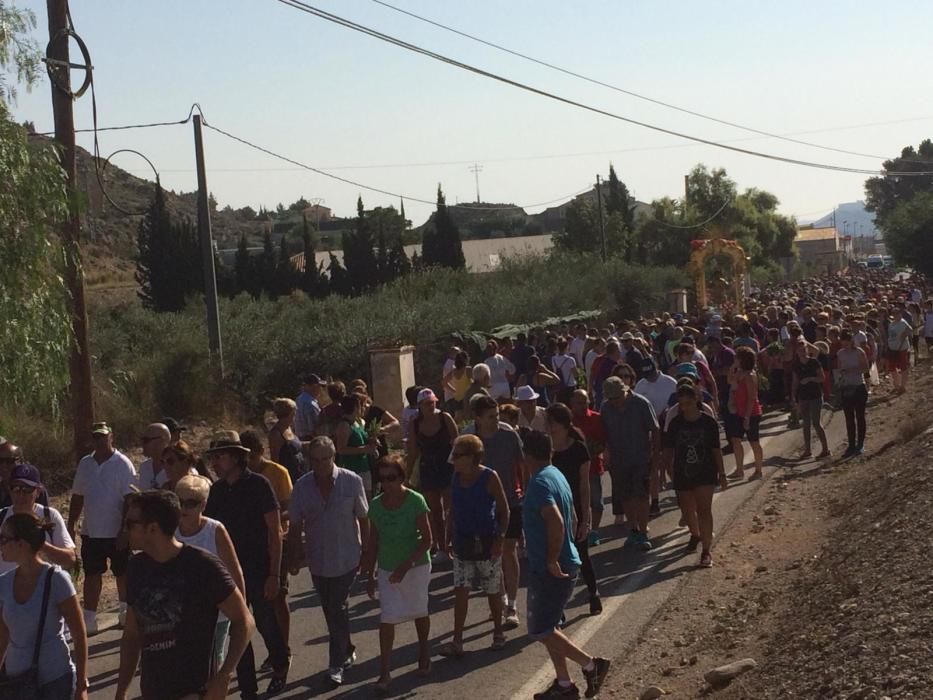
616,88
324,173
335,19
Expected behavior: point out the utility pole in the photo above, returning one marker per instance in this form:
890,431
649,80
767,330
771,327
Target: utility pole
476,170
82,398
599,207
207,251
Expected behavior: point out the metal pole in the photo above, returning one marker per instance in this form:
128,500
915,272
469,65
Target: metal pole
599,207
82,397
207,251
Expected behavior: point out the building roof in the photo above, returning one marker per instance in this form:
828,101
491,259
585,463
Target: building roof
815,234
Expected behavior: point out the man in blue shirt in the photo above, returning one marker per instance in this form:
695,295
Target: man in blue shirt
308,407
553,563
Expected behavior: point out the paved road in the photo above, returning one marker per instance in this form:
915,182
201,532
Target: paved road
633,585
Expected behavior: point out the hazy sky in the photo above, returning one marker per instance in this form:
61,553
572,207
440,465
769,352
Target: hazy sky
333,98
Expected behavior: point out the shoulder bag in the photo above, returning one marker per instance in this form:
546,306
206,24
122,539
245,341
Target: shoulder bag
25,685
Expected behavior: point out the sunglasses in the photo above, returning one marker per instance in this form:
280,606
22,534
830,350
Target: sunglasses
190,502
22,488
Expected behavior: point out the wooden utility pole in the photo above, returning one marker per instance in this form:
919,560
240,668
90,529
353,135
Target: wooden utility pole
599,207
82,397
207,251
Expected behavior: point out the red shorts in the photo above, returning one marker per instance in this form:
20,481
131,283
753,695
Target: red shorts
899,360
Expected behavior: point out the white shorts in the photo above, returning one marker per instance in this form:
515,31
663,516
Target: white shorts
408,600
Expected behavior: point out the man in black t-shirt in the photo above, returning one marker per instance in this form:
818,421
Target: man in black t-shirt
174,593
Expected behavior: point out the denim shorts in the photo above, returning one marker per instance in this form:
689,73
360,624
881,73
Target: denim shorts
547,597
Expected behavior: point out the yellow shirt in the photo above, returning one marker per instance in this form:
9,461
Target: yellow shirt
278,478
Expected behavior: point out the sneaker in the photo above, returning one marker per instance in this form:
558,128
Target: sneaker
441,557
643,542
90,623
351,659
511,619
556,690
594,540
849,453
693,543
859,451
596,605
596,677
335,675
632,538
706,560
655,509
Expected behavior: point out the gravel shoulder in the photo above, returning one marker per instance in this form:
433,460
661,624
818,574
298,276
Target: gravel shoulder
822,578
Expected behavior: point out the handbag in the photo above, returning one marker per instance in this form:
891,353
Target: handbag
25,685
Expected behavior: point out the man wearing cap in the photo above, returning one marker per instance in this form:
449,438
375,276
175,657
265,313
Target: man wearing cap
246,505
329,507
530,414
155,439
175,428
10,456
631,355
632,433
25,487
309,408
102,482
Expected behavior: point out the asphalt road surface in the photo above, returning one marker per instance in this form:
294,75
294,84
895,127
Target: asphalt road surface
634,585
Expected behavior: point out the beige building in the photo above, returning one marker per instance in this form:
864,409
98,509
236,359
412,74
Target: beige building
823,248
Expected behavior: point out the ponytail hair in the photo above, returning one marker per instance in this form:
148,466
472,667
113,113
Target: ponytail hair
29,528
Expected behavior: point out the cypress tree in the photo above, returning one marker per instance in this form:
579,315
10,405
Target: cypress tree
442,245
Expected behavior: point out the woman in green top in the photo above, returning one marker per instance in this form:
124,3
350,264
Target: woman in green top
354,446
399,541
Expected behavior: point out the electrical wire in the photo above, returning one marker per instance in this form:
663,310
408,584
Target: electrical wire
340,21
371,188
616,88
702,223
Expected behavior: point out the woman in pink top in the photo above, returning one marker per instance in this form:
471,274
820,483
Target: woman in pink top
744,417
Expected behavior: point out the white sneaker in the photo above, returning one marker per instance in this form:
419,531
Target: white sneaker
90,623
335,675
121,618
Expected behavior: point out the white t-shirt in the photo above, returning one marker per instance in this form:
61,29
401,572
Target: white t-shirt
899,334
539,422
589,360
147,481
104,487
565,366
499,369
576,349
859,339
657,392
58,537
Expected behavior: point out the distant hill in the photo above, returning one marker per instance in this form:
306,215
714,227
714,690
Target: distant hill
851,218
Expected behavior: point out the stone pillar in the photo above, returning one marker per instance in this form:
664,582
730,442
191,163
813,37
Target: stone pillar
677,301
393,371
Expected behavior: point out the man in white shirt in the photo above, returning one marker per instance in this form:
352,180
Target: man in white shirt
102,481
899,334
578,343
565,365
599,348
155,439
657,388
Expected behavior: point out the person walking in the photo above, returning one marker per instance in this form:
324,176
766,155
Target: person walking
693,454
152,474
329,507
479,517
102,482
501,373
175,593
590,423
744,417
246,505
852,364
308,407
430,438
25,487
355,448
572,458
36,598
285,447
502,452
196,530
398,556
809,378
553,563
632,434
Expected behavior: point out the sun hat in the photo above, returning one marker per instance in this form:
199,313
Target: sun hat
614,388
101,428
226,440
426,395
526,393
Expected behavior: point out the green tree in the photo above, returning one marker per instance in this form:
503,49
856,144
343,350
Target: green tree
359,257
581,229
312,281
242,267
441,245
268,266
619,201
908,232
286,276
885,193
339,278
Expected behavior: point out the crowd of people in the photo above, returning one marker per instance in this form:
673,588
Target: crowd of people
502,480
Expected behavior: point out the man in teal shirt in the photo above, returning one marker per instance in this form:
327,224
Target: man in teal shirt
553,563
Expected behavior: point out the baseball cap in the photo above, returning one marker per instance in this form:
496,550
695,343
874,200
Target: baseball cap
426,395
27,474
173,425
101,428
614,388
314,379
686,369
647,366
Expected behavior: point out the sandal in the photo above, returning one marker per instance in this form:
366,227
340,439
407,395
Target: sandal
706,560
498,642
451,650
736,475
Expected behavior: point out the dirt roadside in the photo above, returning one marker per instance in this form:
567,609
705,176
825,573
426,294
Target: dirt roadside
823,578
